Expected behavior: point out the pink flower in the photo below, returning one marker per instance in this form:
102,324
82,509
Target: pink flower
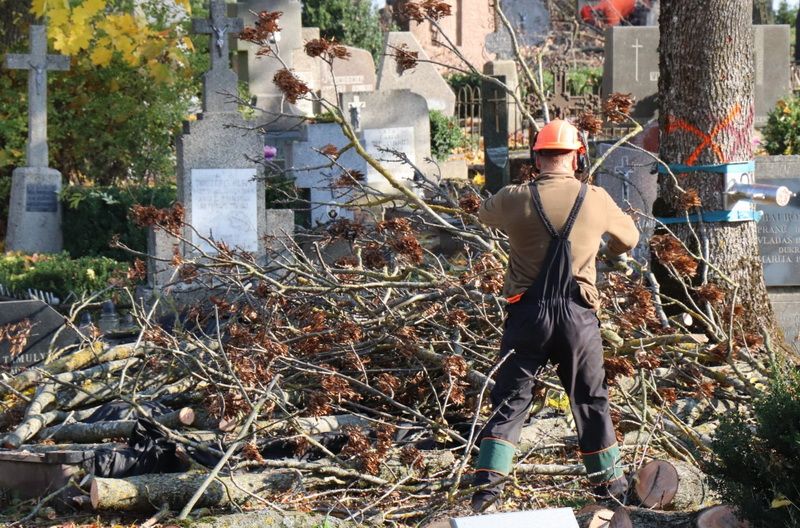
270,152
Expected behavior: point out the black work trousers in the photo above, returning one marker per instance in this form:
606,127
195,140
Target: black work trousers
566,332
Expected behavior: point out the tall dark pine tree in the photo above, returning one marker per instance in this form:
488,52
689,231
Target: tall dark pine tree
707,113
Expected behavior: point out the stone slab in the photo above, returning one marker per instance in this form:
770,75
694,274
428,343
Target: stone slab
627,175
632,66
34,216
161,247
779,229
786,304
221,141
424,79
45,322
553,518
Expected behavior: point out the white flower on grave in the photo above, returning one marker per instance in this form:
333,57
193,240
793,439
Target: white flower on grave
90,274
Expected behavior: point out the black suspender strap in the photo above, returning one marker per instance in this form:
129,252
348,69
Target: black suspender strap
573,214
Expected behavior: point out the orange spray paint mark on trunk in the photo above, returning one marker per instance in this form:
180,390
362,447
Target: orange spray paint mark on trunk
707,138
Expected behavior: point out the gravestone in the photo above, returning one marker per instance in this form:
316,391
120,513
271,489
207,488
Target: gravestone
396,119
631,66
779,242
34,218
494,129
310,70
43,323
424,79
258,71
627,175
219,183
530,21
508,69
354,74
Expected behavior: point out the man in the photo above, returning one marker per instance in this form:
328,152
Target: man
555,226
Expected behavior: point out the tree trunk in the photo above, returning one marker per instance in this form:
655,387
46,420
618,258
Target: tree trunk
706,118
89,433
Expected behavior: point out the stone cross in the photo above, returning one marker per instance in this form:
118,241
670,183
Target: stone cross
355,112
562,102
636,47
38,62
220,82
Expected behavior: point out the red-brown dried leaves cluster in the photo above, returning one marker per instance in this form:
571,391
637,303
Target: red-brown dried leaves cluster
454,378
616,366
327,50
669,250
169,219
346,229
635,303
350,177
16,335
360,448
405,58
590,123
487,275
470,203
137,271
456,317
290,85
401,238
710,293
262,32
427,9
689,200
618,107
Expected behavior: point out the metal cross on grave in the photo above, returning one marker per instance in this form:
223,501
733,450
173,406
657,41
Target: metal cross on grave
220,82
38,62
355,112
500,101
562,103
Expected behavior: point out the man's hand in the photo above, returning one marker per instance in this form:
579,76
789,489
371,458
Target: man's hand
614,262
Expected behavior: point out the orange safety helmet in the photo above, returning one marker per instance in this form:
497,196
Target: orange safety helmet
559,135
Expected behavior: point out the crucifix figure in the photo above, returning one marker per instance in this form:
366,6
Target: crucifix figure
636,47
562,102
37,62
218,25
355,112
623,170
220,82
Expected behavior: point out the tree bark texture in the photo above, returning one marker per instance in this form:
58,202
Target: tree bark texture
707,112
87,433
714,517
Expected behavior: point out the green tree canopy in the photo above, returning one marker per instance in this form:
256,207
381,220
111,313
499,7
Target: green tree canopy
351,22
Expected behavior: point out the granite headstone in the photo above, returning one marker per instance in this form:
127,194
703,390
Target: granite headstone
354,74
530,20
627,175
631,66
34,218
423,79
495,129
35,325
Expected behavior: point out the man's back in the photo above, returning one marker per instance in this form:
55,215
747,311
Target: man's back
512,211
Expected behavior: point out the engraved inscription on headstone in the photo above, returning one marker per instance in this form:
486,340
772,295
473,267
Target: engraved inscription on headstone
400,139
41,198
224,207
779,238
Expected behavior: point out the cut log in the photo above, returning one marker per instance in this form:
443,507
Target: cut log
97,432
671,485
656,484
146,493
714,517
621,519
720,517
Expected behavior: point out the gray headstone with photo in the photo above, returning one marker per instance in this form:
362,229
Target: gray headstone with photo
354,74
779,242
219,182
34,219
631,66
627,175
424,79
530,20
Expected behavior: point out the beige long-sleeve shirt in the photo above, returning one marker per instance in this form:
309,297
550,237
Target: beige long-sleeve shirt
512,211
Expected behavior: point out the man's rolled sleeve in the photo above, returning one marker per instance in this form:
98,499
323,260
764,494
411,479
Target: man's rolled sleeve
491,211
623,235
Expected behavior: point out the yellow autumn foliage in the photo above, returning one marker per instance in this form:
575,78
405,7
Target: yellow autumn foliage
94,29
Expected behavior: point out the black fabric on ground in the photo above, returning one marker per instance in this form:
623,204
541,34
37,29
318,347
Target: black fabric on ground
148,451
120,410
